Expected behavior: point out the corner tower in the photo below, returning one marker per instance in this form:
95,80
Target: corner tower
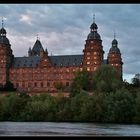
114,56
93,51
6,57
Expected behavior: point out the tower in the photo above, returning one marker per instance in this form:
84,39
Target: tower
93,51
114,56
6,57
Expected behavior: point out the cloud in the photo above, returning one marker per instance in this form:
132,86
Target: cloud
63,28
25,19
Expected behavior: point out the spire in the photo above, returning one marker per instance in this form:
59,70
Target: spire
93,18
114,35
38,37
2,22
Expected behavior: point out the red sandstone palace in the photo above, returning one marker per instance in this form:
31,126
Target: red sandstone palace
39,72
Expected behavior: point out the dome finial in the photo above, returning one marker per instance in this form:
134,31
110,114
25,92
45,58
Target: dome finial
94,18
2,22
114,35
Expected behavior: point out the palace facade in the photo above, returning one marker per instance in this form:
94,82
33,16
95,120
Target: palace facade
40,72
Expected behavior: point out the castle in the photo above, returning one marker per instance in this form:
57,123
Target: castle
39,72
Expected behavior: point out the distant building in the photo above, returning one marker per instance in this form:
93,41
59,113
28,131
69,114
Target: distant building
39,72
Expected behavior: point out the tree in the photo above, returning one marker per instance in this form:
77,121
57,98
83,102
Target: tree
106,79
119,106
9,86
81,82
59,86
136,80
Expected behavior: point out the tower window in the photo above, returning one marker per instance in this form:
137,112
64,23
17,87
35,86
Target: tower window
95,68
88,69
88,62
88,58
95,52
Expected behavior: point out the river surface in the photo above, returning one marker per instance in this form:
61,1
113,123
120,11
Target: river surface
67,129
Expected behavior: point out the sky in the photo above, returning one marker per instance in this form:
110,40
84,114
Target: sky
63,29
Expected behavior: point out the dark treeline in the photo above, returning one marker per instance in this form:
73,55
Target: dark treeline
112,100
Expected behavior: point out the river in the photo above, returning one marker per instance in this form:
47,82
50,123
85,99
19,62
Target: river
67,129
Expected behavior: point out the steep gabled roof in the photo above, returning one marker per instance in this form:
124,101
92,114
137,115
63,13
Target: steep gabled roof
37,47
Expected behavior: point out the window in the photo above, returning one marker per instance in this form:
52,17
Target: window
68,70
88,69
17,85
95,68
88,53
29,84
48,84
67,84
95,52
88,58
116,64
81,69
35,84
88,62
95,62
95,57
91,41
91,47
41,84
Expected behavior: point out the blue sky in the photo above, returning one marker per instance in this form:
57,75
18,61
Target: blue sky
63,29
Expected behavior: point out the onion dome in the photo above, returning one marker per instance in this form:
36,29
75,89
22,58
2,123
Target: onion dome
4,40
93,32
93,26
114,48
93,35
2,31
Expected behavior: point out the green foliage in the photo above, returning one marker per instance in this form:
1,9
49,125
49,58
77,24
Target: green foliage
106,79
120,106
136,80
137,108
93,108
80,82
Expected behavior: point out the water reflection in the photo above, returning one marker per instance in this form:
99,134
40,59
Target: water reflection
66,129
